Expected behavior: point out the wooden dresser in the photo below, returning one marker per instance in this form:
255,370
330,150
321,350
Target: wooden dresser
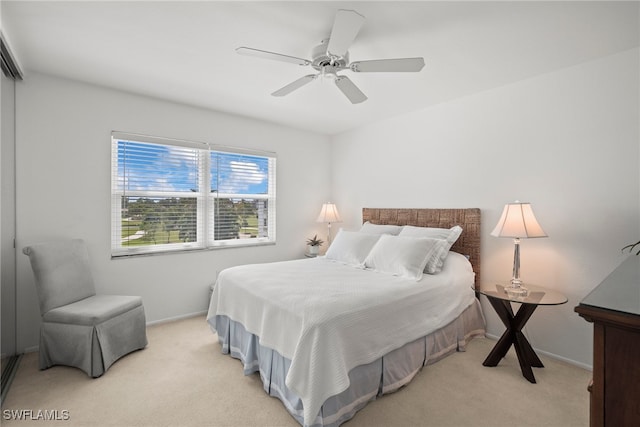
614,308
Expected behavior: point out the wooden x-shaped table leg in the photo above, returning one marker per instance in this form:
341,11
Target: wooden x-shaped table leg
513,335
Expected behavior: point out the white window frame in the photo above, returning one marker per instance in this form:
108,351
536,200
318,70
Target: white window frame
205,198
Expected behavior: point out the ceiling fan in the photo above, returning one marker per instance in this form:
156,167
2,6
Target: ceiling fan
332,56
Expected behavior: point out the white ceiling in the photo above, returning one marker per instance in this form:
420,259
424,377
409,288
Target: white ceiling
185,52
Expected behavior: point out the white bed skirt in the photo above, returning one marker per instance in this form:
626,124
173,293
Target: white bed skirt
367,382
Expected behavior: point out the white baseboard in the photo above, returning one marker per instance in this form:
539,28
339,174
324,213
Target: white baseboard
173,319
32,349
552,355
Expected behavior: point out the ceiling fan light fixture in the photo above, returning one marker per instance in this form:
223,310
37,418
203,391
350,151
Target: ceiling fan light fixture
328,72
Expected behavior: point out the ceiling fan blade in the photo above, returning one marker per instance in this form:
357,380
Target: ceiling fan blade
350,90
388,65
346,26
297,84
248,51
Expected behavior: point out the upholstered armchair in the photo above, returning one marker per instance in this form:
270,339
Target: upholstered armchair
80,328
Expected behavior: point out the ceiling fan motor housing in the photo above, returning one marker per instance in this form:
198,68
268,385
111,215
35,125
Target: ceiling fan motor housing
322,58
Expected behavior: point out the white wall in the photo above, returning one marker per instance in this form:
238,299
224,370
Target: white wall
568,142
63,190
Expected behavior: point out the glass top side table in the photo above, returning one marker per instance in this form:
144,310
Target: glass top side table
501,302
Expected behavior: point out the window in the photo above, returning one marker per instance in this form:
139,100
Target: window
169,195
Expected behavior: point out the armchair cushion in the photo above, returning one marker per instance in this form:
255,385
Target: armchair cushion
93,310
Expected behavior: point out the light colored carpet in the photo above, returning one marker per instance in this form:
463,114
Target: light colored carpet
182,379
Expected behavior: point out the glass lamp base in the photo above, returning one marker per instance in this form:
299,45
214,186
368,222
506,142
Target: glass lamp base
516,291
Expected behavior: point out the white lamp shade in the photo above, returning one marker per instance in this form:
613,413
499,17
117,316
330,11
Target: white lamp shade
518,221
329,213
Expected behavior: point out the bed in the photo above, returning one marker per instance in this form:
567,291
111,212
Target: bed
328,334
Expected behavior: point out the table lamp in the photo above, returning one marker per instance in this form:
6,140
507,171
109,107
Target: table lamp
518,222
329,214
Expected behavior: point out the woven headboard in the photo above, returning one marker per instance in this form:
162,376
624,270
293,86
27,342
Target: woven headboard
469,219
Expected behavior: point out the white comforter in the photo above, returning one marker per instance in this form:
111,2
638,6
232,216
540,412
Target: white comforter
328,318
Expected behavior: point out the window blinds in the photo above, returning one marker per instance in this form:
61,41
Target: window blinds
175,195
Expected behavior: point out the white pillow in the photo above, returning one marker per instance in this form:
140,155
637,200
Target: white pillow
401,256
351,247
447,237
370,228
457,262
